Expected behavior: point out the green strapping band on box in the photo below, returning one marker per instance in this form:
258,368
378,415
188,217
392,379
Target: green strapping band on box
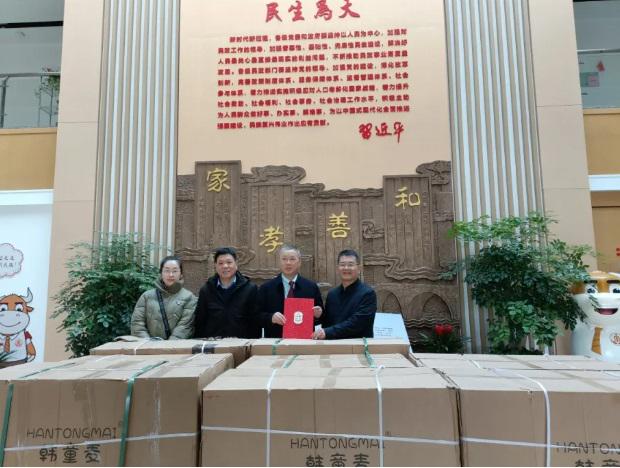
274,346
125,428
289,361
9,402
371,361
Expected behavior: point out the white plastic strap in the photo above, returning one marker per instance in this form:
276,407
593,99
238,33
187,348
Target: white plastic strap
476,364
268,442
547,445
380,404
23,448
411,440
139,346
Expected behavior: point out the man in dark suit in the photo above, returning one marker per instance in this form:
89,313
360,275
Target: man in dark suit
349,308
289,283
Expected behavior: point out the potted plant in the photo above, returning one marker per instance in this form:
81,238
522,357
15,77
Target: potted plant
523,275
105,281
444,338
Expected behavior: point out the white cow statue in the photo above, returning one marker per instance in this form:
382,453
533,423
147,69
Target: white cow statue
598,335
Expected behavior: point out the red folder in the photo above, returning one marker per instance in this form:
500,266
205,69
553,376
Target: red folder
299,318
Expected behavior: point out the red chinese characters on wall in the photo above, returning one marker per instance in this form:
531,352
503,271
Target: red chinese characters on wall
309,79
323,11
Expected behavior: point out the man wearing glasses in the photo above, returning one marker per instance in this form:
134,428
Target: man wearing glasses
349,308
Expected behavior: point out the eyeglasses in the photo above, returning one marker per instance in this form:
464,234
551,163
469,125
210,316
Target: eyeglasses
170,272
347,265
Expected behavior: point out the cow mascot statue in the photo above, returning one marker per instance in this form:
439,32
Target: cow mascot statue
15,342
598,335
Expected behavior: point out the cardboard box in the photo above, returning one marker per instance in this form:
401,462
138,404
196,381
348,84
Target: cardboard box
238,347
278,346
295,417
73,412
326,361
504,418
491,361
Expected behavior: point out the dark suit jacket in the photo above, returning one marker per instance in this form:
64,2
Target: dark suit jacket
226,314
350,312
271,300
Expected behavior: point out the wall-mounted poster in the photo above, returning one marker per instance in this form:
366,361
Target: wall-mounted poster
24,265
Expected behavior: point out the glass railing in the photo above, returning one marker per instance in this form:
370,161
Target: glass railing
599,75
29,99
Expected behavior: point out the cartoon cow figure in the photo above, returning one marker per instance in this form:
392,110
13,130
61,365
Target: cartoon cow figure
598,335
15,341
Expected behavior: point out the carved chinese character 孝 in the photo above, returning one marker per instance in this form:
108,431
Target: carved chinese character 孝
347,10
323,10
296,10
216,180
404,198
338,225
272,12
365,130
271,238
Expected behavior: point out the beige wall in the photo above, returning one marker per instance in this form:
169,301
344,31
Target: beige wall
334,155
28,155
328,154
606,211
602,128
560,125
74,183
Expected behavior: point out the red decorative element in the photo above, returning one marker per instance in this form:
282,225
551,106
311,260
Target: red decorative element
347,10
299,318
398,129
296,10
445,329
365,130
323,10
272,12
383,130
600,66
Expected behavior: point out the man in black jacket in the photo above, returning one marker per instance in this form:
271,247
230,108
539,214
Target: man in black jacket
289,283
349,308
227,301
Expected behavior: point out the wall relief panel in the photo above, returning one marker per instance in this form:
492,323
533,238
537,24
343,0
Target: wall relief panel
400,231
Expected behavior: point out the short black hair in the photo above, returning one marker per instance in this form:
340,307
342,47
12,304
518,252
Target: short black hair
224,251
349,253
170,258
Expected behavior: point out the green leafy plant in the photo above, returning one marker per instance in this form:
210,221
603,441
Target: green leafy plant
106,279
49,83
523,276
443,339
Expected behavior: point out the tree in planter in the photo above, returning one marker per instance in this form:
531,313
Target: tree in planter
523,276
105,281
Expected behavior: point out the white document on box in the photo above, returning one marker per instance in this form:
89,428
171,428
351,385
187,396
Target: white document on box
390,326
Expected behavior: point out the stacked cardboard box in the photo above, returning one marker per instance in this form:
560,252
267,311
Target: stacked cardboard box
531,417
76,411
491,361
238,347
314,361
330,417
274,346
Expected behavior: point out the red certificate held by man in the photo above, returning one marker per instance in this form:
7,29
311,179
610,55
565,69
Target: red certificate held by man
299,318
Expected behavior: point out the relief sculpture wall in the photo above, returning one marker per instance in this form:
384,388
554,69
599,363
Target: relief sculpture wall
399,230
